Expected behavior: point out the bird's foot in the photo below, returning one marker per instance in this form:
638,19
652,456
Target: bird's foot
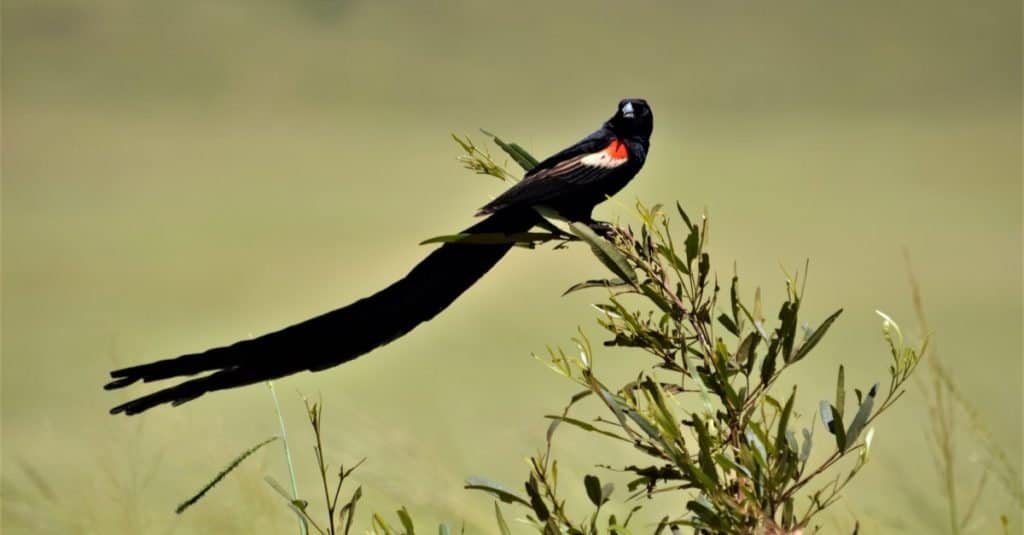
603,229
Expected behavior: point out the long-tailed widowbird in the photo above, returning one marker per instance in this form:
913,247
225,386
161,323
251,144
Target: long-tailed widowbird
571,182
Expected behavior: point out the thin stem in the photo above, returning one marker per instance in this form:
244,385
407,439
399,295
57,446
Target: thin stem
303,528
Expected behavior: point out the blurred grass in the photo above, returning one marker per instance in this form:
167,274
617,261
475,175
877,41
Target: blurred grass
182,175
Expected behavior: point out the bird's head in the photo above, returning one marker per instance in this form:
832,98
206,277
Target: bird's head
633,118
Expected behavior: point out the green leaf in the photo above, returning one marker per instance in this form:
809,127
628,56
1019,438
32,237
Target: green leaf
610,400
788,519
673,259
834,423
841,390
707,515
694,472
703,268
706,446
730,464
536,502
768,364
728,323
745,353
348,512
734,302
757,447
816,336
605,252
653,292
502,525
791,441
403,515
526,158
682,214
289,501
861,418
595,283
517,153
587,427
805,451
787,329
593,486
780,436
382,524
720,382
664,523
606,491
550,226
664,416
692,244
498,490
641,421
759,432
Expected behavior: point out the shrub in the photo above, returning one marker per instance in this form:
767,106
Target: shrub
701,407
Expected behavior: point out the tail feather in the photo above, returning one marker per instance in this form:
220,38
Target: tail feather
337,336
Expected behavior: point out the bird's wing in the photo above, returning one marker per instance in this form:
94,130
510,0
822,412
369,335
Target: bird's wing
590,160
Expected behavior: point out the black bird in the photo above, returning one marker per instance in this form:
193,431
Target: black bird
571,182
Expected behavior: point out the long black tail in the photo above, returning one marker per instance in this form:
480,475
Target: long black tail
337,336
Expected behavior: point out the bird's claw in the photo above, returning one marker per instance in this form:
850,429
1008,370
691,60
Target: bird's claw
602,228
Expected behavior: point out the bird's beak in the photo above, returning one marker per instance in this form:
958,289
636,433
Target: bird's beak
627,110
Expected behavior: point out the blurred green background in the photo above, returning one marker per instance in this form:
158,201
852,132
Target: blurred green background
181,175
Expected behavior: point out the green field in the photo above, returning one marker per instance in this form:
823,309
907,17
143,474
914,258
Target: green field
183,175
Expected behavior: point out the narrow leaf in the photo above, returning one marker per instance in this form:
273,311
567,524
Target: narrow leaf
833,423
730,464
587,427
692,244
595,283
536,502
517,153
805,451
498,490
787,328
673,259
780,436
403,515
593,486
861,418
502,525
682,214
705,445
768,363
605,252
382,524
761,455
745,353
816,336
841,390
729,324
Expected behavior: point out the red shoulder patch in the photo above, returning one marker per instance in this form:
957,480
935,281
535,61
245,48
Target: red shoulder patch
614,155
616,150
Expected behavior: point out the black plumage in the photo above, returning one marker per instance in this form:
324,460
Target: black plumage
571,182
